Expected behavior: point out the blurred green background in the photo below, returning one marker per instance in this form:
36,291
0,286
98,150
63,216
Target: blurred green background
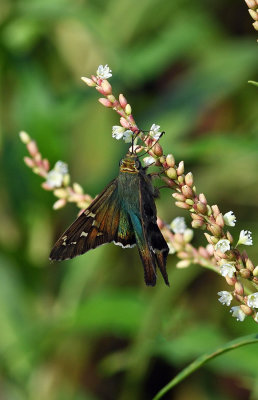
89,328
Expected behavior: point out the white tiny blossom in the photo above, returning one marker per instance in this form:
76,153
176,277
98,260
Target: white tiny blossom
172,250
252,300
229,218
227,270
104,72
61,167
117,132
128,136
154,131
55,177
148,161
178,225
223,245
245,237
238,313
256,317
225,297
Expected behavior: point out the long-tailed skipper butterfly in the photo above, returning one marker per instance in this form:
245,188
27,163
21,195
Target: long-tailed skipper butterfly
124,213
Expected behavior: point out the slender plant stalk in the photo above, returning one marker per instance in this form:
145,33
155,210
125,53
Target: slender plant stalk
200,361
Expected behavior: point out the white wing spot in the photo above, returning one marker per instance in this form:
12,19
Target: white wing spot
127,246
89,214
96,223
99,233
85,234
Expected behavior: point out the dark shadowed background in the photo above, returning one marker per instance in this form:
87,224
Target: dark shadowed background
89,329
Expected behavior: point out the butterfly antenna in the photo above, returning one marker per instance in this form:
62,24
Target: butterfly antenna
162,133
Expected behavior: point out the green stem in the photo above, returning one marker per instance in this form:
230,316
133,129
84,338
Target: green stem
200,361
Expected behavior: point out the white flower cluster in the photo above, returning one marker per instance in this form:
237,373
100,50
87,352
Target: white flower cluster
178,225
104,72
118,132
55,177
237,312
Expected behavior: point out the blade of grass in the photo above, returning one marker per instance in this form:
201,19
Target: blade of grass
200,361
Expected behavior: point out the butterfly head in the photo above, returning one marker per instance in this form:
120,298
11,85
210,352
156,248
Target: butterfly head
130,163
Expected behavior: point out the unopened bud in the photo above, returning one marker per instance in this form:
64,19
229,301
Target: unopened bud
229,237
202,198
255,25
189,179
59,204
77,188
245,273
230,281
128,109
170,160
215,229
32,148
61,193
171,173
251,3
180,204
255,271
122,101
196,224
239,289
29,162
247,310
253,14
188,235
181,168
88,81
24,137
181,179
220,220
183,264
215,210
162,159
190,202
124,123
111,98
46,165
105,102
201,207
249,265
187,191
157,150
106,87
168,181
178,196
66,179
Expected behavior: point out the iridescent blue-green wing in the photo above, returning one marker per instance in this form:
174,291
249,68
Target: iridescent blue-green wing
97,225
156,242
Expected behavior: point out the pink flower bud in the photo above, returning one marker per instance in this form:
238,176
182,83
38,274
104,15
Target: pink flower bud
180,204
171,173
105,102
249,265
24,137
180,168
253,14
122,101
251,3
255,25
29,162
124,123
187,191
157,150
170,160
106,87
128,109
203,252
189,179
168,181
229,237
230,281
59,204
94,78
201,208
247,310
215,210
215,229
220,220
245,273
88,81
32,148
46,186
45,164
196,224
178,196
202,198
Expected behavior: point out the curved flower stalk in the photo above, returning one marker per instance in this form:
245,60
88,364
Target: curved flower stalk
57,180
221,254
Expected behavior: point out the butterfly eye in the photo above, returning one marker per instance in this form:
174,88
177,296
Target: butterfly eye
137,164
